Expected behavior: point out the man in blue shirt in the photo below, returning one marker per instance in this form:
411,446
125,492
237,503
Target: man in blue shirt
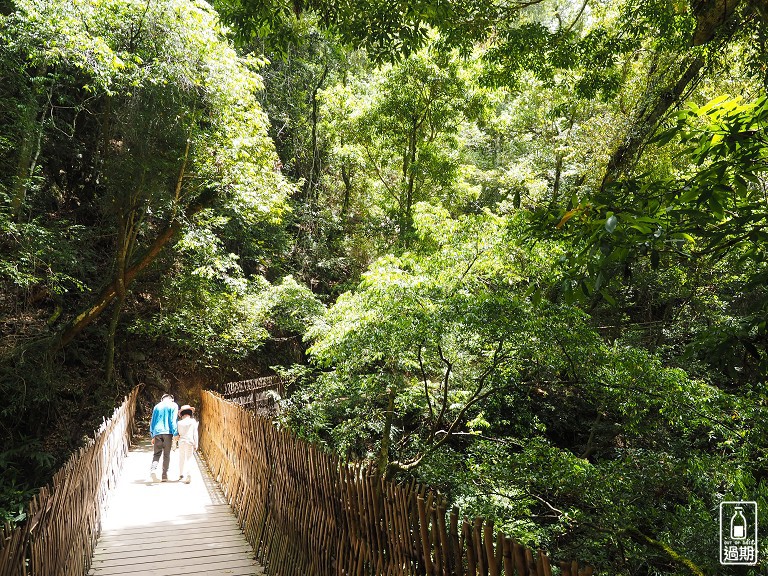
162,429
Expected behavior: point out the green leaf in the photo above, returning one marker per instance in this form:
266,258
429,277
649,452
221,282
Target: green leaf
664,137
607,297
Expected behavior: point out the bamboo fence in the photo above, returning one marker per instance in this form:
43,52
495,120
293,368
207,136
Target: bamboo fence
64,518
307,513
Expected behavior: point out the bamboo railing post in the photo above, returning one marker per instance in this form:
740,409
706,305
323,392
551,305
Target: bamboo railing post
469,543
445,546
509,565
490,554
455,545
477,541
519,556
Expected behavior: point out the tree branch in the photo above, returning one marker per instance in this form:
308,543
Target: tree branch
426,385
476,397
646,120
665,549
446,377
76,325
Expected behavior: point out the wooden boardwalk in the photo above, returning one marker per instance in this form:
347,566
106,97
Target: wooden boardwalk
169,528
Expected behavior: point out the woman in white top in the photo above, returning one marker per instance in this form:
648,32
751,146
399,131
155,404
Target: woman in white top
187,427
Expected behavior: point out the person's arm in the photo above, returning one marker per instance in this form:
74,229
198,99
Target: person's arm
175,421
155,415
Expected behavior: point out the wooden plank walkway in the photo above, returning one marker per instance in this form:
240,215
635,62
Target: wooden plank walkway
170,528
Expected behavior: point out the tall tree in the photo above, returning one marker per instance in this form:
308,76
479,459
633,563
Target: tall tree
409,132
154,114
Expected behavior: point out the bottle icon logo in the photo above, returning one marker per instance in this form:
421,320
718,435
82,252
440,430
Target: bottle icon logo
738,524
738,533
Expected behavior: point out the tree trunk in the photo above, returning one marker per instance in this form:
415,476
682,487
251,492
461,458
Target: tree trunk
25,167
409,178
647,119
313,178
383,460
347,195
85,318
111,334
558,175
124,241
19,190
711,18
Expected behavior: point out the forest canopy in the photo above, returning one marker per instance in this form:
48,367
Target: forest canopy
513,250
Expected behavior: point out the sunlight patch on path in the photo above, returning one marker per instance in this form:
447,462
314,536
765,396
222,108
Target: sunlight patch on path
169,528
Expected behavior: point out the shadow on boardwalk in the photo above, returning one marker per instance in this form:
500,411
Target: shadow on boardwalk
169,528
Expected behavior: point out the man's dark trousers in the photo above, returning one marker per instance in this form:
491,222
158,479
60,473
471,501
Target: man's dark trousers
163,443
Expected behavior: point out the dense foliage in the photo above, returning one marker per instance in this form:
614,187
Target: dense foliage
513,249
